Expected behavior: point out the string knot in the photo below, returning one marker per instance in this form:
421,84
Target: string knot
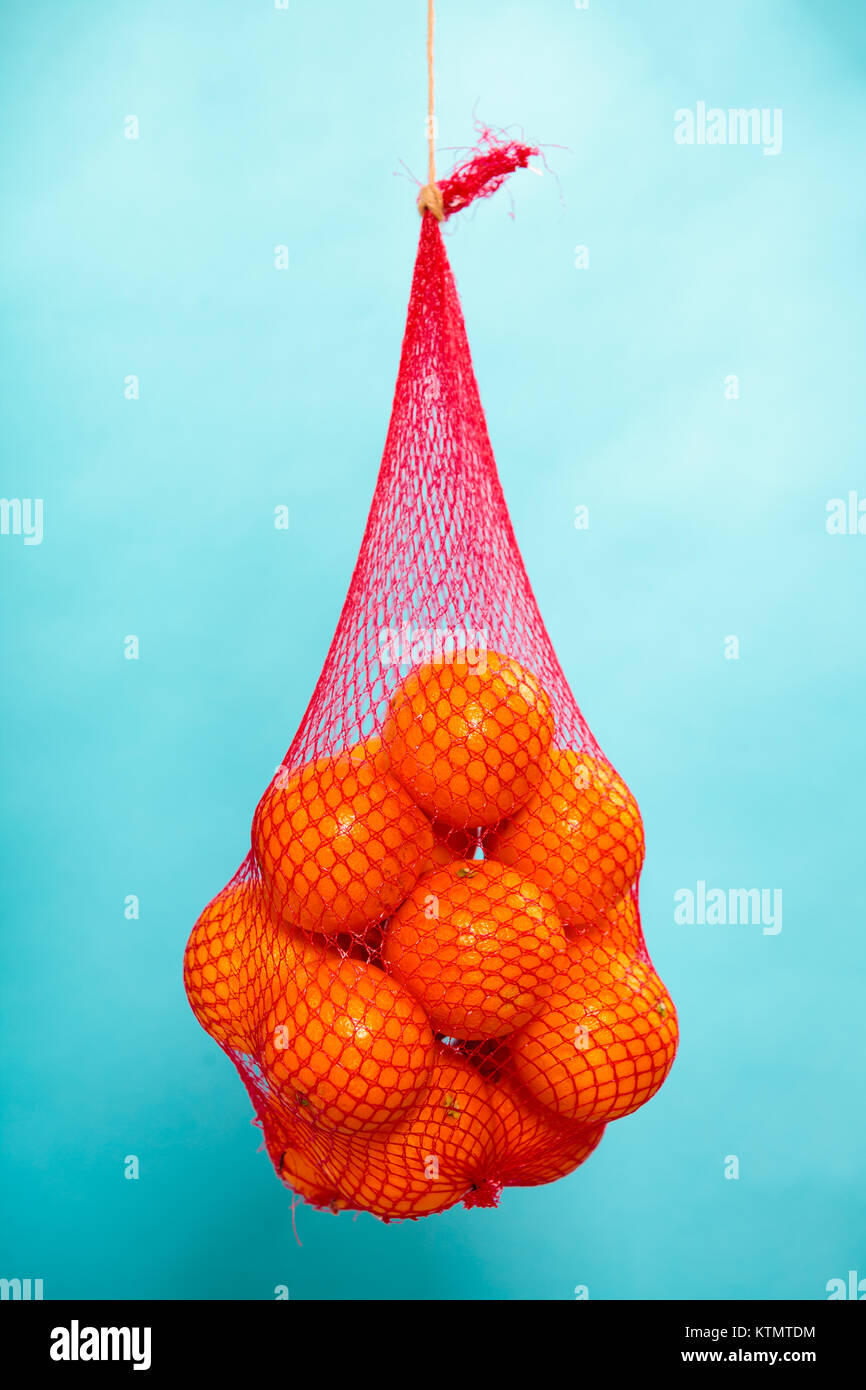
430,200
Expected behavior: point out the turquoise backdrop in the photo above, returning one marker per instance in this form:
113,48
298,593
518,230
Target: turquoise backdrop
697,385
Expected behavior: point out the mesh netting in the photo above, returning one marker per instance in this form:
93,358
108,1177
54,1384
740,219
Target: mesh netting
430,971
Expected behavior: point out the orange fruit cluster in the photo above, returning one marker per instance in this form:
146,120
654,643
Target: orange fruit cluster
431,972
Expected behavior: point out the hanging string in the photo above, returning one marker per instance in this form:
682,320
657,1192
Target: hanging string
431,103
430,198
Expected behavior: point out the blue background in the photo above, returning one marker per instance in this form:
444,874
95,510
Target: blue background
260,387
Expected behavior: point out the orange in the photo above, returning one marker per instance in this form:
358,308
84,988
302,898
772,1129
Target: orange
352,1052
298,1173
533,1146
370,751
220,965
467,742
339,846
559,1156
233,958
434,1157
306,1176
617,926
603,1043
301,1174
289,961
580,836
478,946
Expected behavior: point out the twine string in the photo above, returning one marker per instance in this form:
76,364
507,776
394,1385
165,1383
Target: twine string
430,197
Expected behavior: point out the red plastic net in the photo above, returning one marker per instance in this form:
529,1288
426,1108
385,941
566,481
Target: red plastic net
429,970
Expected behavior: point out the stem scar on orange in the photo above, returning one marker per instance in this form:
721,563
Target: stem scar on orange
339,844
352,1052
437,1153
478,945
467,741
580,836
602,1045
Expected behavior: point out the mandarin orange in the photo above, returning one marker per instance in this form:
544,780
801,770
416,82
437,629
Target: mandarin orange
531,1145
579,837
352,1052
236,959
467,741
339,844
478,945
309,1177
221,965
439,1151
617,926
602,1043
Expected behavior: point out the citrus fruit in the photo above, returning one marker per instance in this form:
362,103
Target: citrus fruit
308,1181
603,1043
531,1145
438,1152
556,1157
617,926
234,958
350,1053
478,945
339,846
220,972
467,741
580,836
307,1177
371,752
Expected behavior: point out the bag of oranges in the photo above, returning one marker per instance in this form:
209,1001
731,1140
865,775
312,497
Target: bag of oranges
429,970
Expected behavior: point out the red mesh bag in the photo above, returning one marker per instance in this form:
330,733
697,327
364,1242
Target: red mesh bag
430,970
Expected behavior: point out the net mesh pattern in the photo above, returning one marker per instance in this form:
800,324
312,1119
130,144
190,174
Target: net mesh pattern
429,970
